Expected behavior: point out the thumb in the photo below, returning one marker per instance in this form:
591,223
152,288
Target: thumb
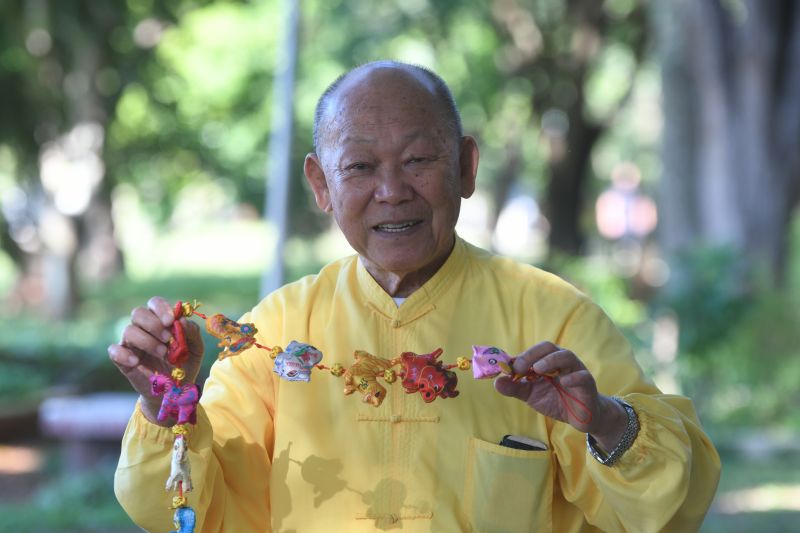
515,389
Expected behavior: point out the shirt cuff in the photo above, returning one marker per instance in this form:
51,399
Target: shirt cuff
142,428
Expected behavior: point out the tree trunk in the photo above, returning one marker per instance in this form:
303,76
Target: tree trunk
280,146
679,208
568,177
743,61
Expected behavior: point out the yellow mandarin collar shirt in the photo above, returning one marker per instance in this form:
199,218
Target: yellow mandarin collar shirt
270,455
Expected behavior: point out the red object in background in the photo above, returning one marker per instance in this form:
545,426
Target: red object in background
177,349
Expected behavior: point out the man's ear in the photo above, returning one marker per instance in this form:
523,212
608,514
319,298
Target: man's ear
468,163
312,167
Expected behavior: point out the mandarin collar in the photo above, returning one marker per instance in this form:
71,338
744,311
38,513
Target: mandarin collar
421,301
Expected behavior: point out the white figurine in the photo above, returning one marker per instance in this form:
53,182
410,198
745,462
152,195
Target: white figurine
180,470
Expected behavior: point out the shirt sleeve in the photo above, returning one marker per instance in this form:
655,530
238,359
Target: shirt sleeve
667,479
230,454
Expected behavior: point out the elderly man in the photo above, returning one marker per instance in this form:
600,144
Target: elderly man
392,165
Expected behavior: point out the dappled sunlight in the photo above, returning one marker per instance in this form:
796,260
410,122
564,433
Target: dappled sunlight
224,248
762,498
473,222
521,230
209,234
331,245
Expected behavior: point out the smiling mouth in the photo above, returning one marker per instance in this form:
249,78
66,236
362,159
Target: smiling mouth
396,228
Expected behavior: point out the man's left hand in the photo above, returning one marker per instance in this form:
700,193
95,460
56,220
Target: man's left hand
605,420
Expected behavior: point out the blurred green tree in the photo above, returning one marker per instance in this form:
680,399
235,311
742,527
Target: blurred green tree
63,68
166,96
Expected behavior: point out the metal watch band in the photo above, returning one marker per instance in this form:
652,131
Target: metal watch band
631,431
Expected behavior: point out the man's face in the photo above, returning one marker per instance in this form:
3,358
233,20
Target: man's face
394,173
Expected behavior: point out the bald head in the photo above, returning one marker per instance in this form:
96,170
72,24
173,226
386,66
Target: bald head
411,80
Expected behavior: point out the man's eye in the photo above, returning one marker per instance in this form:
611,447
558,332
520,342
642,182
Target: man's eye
357,167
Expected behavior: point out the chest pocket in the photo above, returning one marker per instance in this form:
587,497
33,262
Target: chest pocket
508,490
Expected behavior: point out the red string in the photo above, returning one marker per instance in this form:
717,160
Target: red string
565,395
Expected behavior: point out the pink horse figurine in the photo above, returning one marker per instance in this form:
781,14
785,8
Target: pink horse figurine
179,401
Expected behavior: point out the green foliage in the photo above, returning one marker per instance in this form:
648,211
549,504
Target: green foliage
69,503
597,278
750,377
20,382
738,339
709,289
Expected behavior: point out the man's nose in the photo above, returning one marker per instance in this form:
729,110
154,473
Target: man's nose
393,187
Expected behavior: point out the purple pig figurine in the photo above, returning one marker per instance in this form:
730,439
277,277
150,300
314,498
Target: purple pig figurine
488,361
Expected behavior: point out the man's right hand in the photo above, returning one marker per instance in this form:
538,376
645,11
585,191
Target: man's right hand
142,351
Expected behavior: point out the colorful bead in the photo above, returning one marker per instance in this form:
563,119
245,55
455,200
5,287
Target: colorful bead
178,501
337,370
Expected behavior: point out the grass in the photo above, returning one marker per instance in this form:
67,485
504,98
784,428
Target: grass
763,489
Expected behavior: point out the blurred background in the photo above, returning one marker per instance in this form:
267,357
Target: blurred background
648,151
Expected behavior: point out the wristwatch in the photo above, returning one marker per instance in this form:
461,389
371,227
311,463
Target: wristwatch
631,431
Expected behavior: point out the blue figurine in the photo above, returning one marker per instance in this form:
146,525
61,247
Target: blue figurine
296,361
184,520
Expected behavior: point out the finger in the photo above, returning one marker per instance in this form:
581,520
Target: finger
129,360
148,321
132,367
162,309
506,386
580,378
125,358
137,338
561,362
524,361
